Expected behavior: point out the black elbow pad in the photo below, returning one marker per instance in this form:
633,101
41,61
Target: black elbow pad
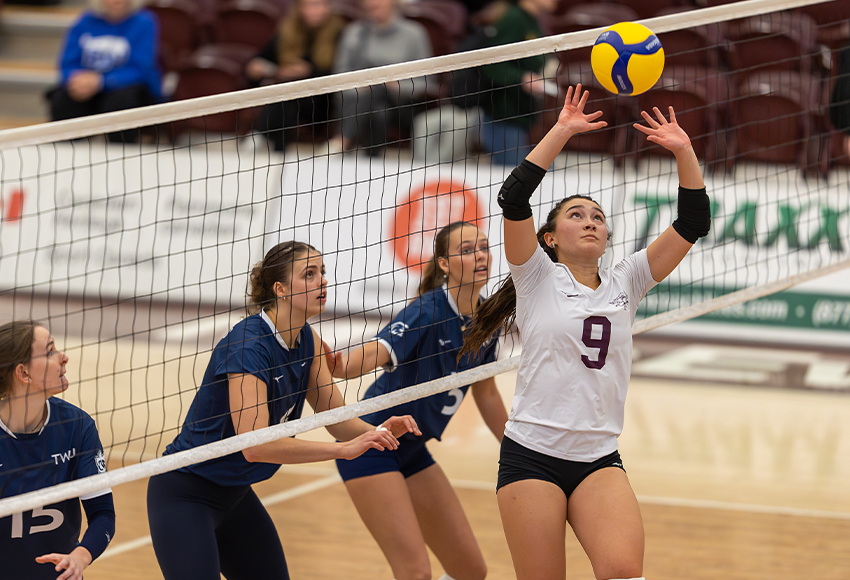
694,219
517,190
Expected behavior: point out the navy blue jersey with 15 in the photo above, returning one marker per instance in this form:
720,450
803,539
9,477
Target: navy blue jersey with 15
67,448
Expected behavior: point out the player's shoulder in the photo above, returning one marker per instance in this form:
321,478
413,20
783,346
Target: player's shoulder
631,263
432,304
253,326
61,407
69,415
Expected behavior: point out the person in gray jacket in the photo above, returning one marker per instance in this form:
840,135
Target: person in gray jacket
382,37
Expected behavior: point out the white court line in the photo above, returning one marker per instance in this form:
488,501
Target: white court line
742,507
275,498
334,478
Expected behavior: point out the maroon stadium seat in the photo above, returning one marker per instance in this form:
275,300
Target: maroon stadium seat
831,19
779,40
703,46
180,29
248,22
584,16
202,75
699,96
778,120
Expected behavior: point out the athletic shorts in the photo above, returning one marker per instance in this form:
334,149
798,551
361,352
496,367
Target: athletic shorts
517,463
410,458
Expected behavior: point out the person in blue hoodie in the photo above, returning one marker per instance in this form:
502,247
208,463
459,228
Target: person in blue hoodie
108,63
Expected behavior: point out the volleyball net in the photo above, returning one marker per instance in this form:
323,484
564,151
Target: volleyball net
131,234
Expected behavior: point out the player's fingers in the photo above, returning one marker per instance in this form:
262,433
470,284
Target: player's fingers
385,438
583,101
642,128
569,98
648,118
593,116
672,114
412,427
660,115
577,95
68,574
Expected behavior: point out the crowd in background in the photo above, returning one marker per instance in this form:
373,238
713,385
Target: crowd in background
118,56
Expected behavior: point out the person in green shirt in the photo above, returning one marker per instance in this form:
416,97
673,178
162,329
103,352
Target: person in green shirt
518,87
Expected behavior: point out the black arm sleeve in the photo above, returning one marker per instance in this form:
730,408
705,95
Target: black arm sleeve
100,514
694,220
516,191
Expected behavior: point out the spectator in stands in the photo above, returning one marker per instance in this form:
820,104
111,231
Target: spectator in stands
108,63
304,47
518,84
839,108
382,37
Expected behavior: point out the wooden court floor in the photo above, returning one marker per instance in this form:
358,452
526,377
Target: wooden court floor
735,483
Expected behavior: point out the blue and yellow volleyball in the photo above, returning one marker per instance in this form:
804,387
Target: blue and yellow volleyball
627,59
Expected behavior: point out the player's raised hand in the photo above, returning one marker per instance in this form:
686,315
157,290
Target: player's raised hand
666,133
572,116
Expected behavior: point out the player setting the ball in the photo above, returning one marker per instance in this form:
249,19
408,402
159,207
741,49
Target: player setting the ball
559,459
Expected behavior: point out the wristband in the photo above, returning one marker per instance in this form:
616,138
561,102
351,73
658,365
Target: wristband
516,191
694,219
381,428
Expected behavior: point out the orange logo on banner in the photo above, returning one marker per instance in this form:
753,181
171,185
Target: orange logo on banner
418,218
14,206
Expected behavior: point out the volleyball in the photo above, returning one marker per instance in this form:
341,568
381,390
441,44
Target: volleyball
627,59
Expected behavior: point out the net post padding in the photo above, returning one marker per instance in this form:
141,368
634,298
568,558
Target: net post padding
190,108
95,483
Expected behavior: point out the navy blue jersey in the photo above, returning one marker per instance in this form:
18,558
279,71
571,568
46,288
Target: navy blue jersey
67,448
252,347
424,341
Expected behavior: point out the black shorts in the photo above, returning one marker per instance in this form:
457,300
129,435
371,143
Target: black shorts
517,463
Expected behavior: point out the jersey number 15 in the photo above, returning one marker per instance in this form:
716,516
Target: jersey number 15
56,519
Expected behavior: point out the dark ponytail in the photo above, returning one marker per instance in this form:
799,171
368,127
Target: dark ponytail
275,267
432,275
500,308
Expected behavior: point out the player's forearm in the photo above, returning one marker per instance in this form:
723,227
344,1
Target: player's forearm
100,515
359,361
348,430
687,166
290,450
545,152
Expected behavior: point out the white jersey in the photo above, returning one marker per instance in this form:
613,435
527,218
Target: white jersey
576,357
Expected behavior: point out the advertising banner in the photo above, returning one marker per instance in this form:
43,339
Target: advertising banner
188,224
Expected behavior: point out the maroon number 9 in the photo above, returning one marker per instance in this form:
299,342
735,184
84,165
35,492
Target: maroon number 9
601,343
